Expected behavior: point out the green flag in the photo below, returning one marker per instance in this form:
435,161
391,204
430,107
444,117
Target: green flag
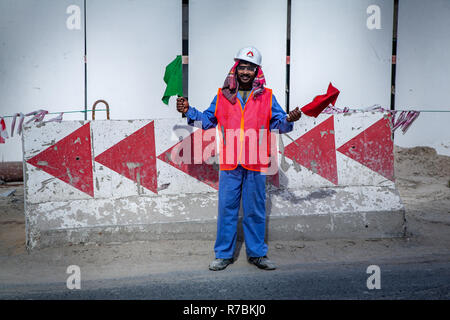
173,77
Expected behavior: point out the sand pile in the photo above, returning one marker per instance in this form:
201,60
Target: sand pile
421,161
423,181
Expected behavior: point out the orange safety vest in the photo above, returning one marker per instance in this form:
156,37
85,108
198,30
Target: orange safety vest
244,135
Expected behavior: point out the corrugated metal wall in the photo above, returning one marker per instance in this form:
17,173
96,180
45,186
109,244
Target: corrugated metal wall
218,29
41,61
423,72
346,42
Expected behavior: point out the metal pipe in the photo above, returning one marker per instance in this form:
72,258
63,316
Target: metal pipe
107,108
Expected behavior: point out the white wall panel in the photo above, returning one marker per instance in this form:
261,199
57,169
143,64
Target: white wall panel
423,72
346,42
129,44
41,62
218,29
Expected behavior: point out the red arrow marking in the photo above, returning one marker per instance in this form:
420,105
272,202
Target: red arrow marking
134,157
373,148
315,150
69,160
193,163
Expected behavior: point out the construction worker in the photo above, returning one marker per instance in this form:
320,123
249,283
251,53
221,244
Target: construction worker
242,105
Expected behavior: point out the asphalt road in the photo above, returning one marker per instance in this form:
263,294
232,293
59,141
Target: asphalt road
416,280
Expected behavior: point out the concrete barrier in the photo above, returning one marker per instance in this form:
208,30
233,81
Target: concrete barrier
108,181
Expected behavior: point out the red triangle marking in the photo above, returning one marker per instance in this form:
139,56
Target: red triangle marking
315,150
373,148
204,172
69,160
134,157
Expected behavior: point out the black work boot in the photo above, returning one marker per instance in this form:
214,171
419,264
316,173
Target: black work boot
219,264
262,263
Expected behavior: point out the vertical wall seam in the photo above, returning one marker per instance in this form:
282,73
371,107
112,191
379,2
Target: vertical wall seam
288,53
394,53
85,64
185,47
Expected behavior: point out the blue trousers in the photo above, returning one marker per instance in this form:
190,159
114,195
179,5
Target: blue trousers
251,186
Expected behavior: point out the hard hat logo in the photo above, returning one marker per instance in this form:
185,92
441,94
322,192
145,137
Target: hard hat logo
250,54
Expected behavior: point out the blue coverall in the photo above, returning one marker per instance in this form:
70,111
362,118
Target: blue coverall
233,184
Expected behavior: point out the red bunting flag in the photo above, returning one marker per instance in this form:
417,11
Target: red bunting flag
3,132
319,103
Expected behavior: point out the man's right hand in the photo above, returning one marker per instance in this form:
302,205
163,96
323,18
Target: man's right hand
182,105
294,115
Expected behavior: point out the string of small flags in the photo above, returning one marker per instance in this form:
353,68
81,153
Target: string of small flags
37,116
404,120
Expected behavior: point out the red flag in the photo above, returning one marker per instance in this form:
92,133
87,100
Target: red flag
3,132
319,103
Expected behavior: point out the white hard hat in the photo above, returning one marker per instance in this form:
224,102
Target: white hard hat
250,54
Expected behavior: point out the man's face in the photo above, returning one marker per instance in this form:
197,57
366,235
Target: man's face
246,72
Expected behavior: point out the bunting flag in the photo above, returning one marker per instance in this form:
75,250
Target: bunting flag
319,103
173,77
3,132
404,121
56,119
13,123
38,115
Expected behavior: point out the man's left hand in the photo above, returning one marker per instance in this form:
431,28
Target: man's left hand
294,115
